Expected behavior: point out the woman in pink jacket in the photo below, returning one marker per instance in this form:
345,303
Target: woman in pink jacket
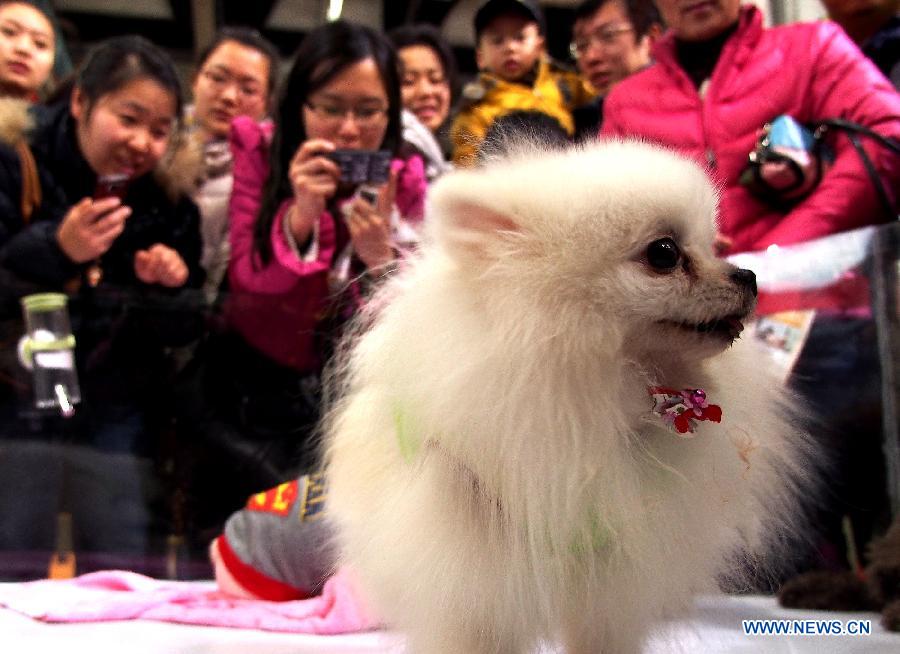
303,245
720,76
297,237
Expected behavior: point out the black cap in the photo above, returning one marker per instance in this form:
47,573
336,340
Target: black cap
493,8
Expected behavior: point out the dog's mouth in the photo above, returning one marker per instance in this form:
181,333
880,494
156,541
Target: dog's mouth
729,327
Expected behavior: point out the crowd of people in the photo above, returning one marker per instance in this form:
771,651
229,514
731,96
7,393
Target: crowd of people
208,292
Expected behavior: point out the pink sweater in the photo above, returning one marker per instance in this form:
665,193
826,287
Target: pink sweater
810,71
276,307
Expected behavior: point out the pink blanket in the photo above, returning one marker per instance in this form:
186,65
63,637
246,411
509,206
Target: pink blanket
120,595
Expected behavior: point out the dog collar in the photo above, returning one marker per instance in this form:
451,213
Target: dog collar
681,409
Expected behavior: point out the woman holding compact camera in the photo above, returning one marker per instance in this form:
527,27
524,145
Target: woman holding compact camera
313,221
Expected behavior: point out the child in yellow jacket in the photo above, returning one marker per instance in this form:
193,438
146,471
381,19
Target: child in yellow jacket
515,75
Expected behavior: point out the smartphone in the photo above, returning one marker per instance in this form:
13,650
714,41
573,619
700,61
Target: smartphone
111,186
368,193
362,166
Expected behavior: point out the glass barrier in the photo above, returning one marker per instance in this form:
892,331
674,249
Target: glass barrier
166,424
828,314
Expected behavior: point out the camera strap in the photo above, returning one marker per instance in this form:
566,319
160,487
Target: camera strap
853,132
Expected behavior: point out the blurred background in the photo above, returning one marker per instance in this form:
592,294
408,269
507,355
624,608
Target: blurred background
184,26
133,511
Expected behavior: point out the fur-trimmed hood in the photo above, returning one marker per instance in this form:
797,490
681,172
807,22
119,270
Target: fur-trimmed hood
181,169
15,120
179,172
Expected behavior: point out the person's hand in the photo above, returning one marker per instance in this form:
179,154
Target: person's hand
314,179
370,226
161,265
90,227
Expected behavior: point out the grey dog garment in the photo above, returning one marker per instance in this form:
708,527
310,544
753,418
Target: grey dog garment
278,546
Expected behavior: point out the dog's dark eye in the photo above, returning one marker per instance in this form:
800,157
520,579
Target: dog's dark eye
663,254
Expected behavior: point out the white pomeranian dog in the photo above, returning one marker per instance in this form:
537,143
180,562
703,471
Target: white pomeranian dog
512,459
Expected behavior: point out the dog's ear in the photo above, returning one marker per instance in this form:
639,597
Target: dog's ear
474,233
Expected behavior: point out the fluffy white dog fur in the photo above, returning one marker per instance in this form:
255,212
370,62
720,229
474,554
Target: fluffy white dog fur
496,476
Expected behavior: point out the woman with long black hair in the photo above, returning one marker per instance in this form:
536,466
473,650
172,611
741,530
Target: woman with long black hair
304,243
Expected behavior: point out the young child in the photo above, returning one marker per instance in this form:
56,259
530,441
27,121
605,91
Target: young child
515,75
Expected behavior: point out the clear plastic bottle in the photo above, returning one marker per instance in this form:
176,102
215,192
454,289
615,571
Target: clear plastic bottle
48,350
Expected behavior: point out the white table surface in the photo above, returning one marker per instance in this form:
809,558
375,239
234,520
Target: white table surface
715,629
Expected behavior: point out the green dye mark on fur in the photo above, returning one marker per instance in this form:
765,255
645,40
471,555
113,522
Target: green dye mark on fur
406,439
595,538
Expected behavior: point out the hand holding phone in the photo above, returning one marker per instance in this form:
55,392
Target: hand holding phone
89,228
111,186
368,216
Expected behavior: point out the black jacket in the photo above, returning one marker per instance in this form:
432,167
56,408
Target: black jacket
32,252
123,327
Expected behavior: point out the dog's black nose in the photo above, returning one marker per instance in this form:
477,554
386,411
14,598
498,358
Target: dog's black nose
744,277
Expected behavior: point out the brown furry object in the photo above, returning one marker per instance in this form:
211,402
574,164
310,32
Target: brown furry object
844,591
827,590
890,616
15,121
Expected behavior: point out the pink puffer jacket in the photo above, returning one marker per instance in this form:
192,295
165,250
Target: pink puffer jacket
812,72
276,308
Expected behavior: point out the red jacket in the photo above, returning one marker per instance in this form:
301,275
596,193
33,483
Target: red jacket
811,71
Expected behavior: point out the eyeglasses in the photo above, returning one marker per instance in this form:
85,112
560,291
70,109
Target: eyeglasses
606,37
221,79
335,114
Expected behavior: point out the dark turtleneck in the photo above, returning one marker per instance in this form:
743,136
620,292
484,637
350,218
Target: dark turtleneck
699,58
